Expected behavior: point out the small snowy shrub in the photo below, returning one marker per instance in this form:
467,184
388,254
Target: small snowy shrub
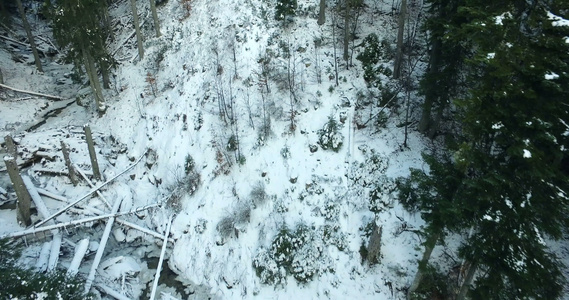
381,120
283,247
232,143
192,182
331,210
200,225
285,152
226,227
381,197
285,10
242,213
258,195
267,269
280,206
329,137
190,164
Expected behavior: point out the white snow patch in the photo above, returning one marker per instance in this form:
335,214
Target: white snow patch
551,76
498,20
557,20
497,126
491,55
527,153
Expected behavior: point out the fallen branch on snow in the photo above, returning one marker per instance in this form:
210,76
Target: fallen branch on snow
89,193
73,223
32,93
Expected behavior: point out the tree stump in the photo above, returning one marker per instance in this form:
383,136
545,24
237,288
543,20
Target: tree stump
11,146
24,198
92,153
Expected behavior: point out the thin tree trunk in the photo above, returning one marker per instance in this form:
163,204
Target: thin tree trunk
467,282
94,79
425,123
400,31
155,17
429,246
1,77
29,34
137,29
334,43
347,12
322,13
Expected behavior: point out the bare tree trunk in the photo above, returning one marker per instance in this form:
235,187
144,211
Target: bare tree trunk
137,29
29,34
322,13
425,123
155,17
467,282
334,43
400,31
1,77
429,246
94,80
347,12
24,198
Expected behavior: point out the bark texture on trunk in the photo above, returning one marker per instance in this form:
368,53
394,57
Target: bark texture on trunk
29,34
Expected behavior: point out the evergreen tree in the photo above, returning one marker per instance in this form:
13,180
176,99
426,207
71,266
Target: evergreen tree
441,83
516,136
78,26
513,120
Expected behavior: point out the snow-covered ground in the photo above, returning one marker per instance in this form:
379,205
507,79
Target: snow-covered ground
226,226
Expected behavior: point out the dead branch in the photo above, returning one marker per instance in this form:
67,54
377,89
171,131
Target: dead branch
90,192
32,93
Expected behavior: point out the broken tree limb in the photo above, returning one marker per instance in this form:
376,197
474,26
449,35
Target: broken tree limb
102,246
111,292
14,41
44,212
33,230
41,264
91,184
134,226
162,253
32,93
80,251
51,195
54,252
90,192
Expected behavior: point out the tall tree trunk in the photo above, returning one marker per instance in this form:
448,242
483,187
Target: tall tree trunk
137,29
322,13
29,34
426,122
467,282
334,43
429,246
107,21
1,77
347,32
155,17
94,81
400,31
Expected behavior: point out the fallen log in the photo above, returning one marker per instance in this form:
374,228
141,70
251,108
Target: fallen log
80,251
89,193
33,93
162,253
102,246
107,290
34,230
